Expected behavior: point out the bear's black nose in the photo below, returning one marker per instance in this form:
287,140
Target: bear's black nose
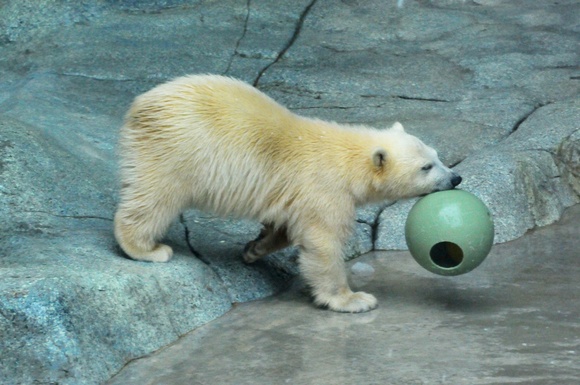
456,180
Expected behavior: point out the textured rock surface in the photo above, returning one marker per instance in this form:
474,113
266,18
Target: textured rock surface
500,324
492,85
527,180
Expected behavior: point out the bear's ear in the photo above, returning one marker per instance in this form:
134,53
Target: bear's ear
379,157
398,127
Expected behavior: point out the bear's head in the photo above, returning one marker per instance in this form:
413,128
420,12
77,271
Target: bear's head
406,167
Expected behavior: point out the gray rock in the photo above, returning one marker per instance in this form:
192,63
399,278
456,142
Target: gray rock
569,160
527,180
361,242
73,311
390,228
220,244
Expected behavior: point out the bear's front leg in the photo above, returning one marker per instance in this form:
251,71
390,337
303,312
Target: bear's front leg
322,265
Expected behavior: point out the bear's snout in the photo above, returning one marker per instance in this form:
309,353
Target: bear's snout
456,180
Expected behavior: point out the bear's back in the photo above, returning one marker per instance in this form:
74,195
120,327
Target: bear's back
215,110
222,103
224,139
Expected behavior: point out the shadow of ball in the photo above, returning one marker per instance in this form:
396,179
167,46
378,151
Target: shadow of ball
449,232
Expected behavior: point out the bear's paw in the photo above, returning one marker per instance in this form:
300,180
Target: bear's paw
358,302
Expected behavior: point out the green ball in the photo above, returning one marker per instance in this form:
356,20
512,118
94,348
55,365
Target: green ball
449,232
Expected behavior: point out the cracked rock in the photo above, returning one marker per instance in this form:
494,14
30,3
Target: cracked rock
568,160
527,180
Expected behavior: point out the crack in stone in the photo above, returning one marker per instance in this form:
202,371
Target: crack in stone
202,258
290,42
374,225
553,153
452,165
327,108
245,30
364,96
380,105
193,251
521,121
405,97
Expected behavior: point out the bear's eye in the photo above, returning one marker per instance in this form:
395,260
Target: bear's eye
427,167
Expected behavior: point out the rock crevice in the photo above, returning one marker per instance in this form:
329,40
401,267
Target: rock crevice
289,44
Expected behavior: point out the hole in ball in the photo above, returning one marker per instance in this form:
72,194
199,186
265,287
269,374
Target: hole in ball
446,255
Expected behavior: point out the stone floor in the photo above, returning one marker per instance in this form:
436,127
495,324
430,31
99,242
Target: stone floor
514,320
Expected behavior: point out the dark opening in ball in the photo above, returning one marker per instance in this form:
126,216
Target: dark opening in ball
449,232
446,254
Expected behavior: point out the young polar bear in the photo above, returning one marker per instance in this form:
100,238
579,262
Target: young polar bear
220,145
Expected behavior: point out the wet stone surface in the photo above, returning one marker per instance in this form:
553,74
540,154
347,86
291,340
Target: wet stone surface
513,320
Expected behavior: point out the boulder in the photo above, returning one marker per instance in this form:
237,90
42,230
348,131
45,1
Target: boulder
526,180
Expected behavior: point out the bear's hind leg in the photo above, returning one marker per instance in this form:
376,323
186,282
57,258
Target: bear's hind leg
322,265
268,241
137,234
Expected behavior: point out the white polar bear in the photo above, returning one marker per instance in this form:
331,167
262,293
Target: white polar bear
220,145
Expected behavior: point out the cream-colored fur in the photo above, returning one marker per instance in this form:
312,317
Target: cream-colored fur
220,145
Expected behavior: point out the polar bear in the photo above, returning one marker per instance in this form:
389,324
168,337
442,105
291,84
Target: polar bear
220,145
